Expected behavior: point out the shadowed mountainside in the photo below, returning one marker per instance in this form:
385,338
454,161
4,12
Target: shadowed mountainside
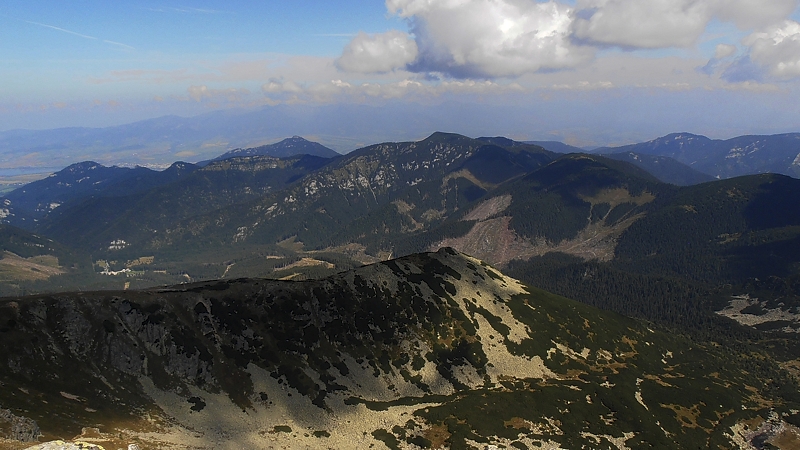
288,147
428,350
742,155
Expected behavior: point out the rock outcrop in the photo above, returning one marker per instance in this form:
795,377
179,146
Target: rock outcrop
430,350
17,428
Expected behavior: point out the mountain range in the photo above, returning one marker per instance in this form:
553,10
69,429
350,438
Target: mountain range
743,155
158,142
270,253
504,201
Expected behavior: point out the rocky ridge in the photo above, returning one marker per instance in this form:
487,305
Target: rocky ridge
428,350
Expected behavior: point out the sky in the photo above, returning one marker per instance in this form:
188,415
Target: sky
586,72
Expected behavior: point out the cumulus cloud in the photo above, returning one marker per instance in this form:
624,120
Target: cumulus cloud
275,85
468,39
777,49
378,53
722,54
724,50
668,23
750,14
641,24
471,39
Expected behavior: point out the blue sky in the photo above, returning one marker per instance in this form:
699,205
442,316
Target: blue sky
589,72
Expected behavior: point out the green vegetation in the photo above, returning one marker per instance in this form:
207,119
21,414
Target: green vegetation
669,255
603,377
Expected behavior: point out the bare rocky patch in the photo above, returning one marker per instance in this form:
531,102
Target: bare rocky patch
752,312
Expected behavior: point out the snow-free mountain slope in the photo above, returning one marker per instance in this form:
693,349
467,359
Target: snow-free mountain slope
743,155
431,350
292,146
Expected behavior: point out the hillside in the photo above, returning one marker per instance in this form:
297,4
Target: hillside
29,258
27,205
94,223
349,208
664,168
286,148
431,350
743,155
578,204
588,227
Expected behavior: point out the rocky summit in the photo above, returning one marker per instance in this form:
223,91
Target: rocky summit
434,350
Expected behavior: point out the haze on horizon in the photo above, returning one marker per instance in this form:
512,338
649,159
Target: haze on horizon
586,72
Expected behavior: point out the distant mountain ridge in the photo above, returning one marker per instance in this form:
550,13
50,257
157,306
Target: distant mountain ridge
292,146
33,201
664,168
557,146
509,203
742,155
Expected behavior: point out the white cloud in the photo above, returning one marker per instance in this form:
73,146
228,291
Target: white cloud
583,86
44,25
275,86
669,23
490,38
337,90
777,48
378,53
724,50
469,39
198,93
752,14
642,24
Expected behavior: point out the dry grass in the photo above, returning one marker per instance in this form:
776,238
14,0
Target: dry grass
16,268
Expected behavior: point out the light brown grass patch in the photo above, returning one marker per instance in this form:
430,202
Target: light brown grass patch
437,435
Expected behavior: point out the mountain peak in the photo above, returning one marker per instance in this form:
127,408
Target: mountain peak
444,136
295,145
83,165
679,139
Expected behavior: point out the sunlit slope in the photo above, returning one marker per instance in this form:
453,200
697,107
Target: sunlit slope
433,350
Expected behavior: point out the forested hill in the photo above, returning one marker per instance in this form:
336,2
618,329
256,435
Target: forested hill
288,147
742,155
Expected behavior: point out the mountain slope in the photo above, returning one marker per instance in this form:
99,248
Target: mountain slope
288,147
314,214
429,350
219,184
32,202
664,168
608,234
321,204
578,204
743,155
712,224
558,147
729,246
27,258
